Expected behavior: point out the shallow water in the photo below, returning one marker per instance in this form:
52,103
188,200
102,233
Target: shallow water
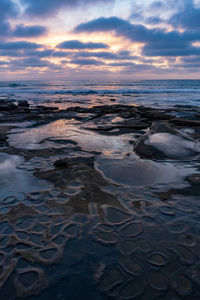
39,138
137,172
14,181
172,145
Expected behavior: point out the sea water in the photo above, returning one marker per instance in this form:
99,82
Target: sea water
156,93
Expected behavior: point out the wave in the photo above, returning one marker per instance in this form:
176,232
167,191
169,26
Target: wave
100,92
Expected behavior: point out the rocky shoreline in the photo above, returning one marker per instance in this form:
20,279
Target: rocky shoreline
117,183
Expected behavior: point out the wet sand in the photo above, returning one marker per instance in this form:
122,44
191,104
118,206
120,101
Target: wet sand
99,202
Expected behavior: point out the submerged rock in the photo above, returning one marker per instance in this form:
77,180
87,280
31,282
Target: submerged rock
162,141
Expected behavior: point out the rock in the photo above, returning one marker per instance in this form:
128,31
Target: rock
153,114
194,179
184,122
45,109
162,141
8,107
61,163
23,103
135,123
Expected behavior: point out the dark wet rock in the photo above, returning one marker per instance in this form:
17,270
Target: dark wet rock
132,123
132,289
110,277
7,271
153,114
4,130
23,104
127,247
116,216
132,266
194,179
105,237
196,273
158,259
185,122
188,239
184,254
178,227
162,141
135,123
71,230
8,107
29,281
131,229
182,283
158,280
80,169
41,108
61,163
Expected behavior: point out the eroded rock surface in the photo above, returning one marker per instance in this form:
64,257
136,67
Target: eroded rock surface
83,217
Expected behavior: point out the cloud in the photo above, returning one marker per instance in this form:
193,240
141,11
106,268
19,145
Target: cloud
157,5
76,45
21,45
105,55
29,31
2,63
190,62
45,7
123,55
154,20
86,62
156,42
188,17
32,52
8,9
102,25
18,64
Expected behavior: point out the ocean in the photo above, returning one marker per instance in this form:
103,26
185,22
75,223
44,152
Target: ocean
154,93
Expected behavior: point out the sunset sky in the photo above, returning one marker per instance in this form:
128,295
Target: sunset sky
99,39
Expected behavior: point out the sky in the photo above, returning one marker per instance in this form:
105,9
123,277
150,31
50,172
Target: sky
99,39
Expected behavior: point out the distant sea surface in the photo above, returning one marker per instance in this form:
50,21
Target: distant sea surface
154,93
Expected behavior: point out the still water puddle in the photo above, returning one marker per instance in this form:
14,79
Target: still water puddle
14,181
39,137
137,172
172,145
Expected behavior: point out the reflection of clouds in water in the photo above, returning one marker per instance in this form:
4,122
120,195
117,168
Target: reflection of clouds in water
173,145
9,162
142,172
87,140
14,181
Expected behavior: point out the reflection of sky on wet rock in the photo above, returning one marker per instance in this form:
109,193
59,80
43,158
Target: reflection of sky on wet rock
14,181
